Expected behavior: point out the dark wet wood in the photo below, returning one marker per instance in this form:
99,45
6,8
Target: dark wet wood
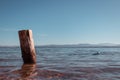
27,46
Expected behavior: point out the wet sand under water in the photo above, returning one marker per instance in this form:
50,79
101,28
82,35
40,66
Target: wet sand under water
35,72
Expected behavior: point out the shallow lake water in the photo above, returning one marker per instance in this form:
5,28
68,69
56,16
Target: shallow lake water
61,63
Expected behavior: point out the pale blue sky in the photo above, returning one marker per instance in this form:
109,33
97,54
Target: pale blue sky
60,21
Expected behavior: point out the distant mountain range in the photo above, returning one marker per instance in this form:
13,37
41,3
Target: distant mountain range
85,45
107,45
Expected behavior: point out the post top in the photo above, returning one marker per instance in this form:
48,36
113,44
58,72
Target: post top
25,30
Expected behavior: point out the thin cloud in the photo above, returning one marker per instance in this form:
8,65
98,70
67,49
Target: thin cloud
8,30
43,35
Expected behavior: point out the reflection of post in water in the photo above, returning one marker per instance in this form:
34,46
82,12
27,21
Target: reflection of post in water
28,70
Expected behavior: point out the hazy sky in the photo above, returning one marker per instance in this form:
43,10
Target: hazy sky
60,21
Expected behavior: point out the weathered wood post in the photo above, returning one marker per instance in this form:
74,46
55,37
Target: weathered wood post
27,46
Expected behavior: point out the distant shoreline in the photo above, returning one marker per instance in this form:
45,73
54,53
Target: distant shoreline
79,46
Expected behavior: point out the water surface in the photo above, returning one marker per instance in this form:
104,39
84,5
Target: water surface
61,63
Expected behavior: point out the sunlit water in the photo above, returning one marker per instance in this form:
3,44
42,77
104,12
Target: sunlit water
61,64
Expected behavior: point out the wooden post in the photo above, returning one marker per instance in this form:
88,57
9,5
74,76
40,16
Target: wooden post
27,46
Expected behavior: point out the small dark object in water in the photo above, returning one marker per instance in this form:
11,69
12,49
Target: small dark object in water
97,53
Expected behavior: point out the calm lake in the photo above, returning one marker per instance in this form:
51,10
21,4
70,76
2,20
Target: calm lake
61,63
